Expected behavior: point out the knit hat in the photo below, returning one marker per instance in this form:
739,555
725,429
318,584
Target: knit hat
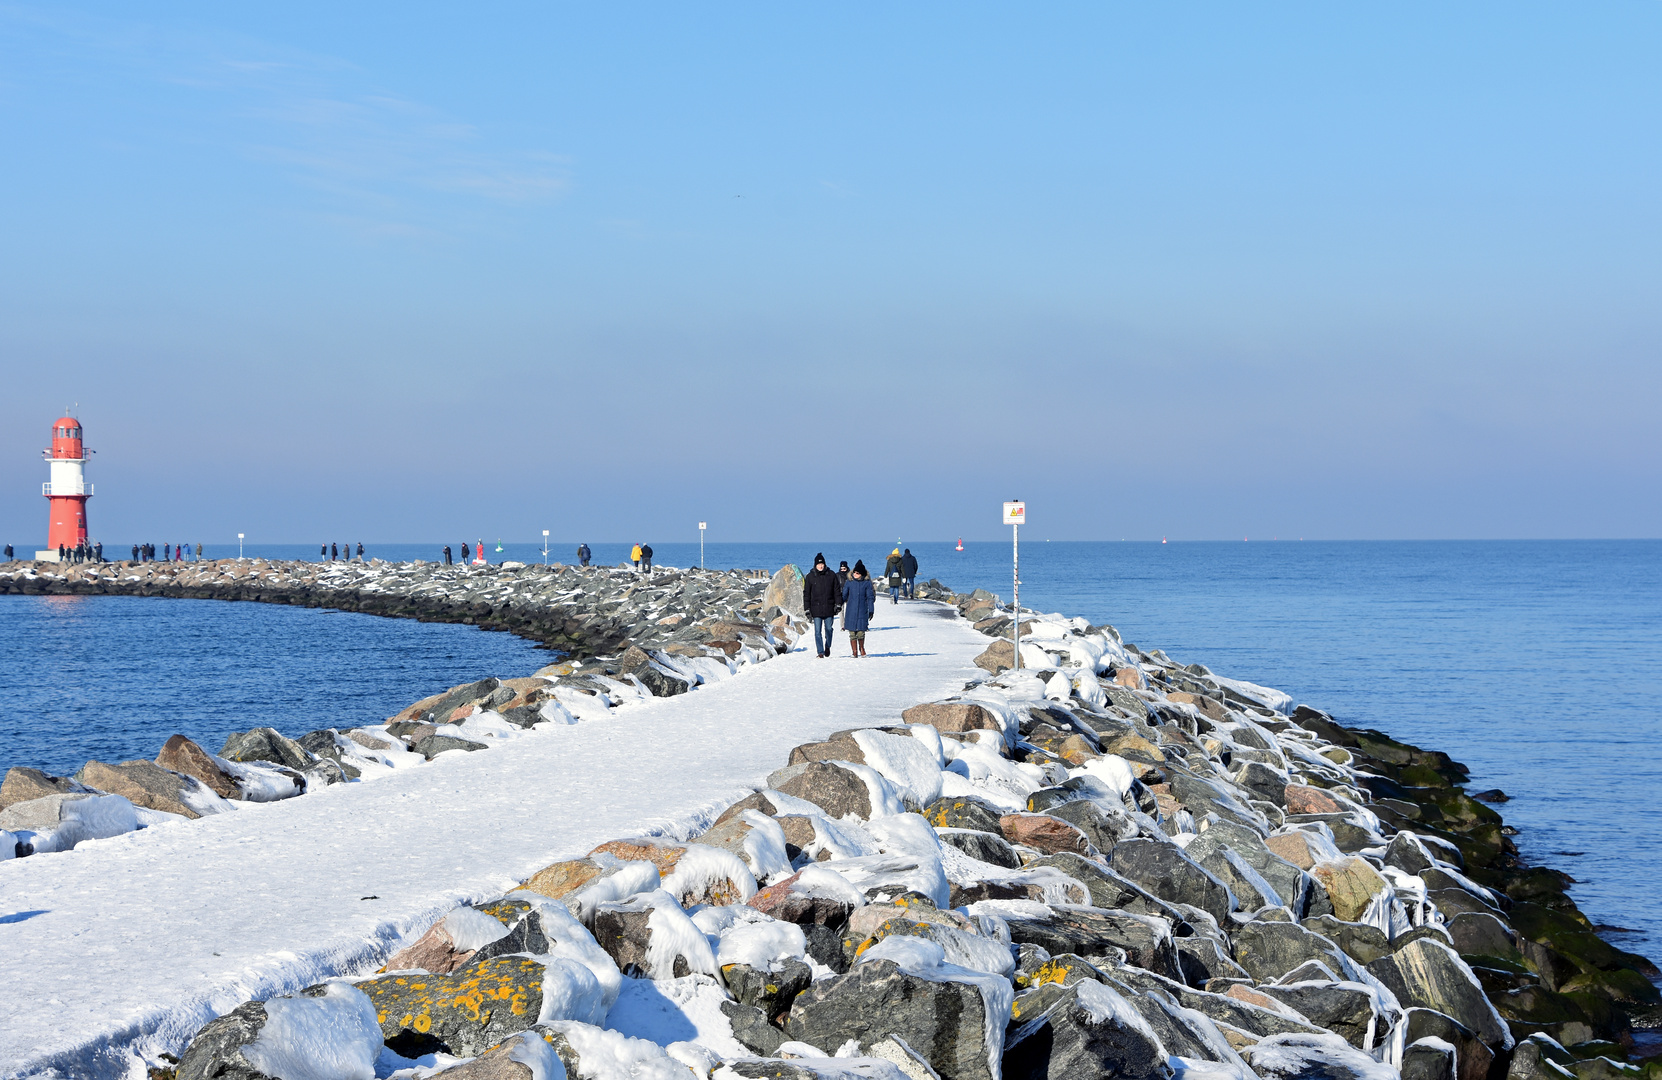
843,565
860,567
818,559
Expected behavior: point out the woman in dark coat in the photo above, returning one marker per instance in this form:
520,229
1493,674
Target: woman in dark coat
859,605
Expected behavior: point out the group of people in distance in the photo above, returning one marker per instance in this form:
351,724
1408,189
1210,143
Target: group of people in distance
641,556
852,593
147,553
478,557
331,552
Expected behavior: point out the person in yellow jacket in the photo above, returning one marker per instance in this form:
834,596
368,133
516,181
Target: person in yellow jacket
635,556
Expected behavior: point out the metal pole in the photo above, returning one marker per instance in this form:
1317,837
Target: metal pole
701,546
1015,592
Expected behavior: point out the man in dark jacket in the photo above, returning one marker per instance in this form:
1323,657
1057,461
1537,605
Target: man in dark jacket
822,593
908,570
584,554
646,558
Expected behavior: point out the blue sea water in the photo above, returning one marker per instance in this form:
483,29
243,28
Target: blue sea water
1537,664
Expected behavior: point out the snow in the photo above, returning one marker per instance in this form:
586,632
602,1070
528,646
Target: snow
910,764
702,866
627,879
1104,1004
570,940
571,992
332,1037
535,1054
742,935
764,847
666,1011
1296,1053
611,1055
282,895
470,929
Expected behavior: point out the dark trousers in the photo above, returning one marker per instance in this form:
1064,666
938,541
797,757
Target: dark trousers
823,629
908,593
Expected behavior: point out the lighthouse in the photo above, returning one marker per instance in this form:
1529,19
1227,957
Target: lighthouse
67,491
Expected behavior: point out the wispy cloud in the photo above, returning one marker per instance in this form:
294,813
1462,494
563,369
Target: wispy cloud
321,121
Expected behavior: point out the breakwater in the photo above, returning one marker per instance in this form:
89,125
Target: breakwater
1133,867
580,611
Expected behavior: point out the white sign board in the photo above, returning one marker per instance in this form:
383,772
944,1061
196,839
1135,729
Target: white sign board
1015,513
701,524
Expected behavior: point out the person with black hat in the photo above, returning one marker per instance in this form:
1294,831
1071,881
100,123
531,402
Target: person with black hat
821,597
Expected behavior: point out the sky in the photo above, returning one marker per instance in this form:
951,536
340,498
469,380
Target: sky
810,271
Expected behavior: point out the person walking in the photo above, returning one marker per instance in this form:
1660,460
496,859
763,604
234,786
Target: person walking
635,557
821,597
646,558
891,575
859,605
908,573
199,551
584,554
360,551
334,552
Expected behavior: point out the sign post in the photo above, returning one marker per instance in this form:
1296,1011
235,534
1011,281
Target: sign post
1015,515
239,547
701,525
545,547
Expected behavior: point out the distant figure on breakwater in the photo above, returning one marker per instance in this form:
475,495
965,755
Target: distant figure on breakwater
8,553
635,556
646,558
178,553
447,554
859,605
908,573
199,551
334,552
97,552
583,554
360,551
891,575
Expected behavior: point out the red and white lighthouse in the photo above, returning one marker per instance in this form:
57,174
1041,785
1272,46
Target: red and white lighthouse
67,491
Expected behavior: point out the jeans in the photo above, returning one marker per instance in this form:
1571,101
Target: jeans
823,628
894,594
908,593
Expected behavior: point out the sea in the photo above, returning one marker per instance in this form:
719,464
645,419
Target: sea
1537,664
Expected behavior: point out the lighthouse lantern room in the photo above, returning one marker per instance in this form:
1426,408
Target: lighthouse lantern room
67,491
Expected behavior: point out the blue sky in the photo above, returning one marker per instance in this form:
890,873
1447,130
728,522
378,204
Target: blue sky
1202,271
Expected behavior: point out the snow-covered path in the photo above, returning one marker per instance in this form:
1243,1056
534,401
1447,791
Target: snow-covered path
136,941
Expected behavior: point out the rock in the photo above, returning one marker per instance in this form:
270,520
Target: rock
1534,1060
411,731
1289,882
216,1051
506,1061
1313,1057
711,878
1431,975
945,1022
982,846
146,784
625,930
24,784
1081,1031
1359,941
450,943
1107,889
1405,853
1471,1057
1164,870
964,812
832,788
1343,1008
1300,799
1298,847
1427,1059
1203,959
754,1033
564,878
324,744
186,758
1044,833
762,847
1269,950
659,680
1088,931
785,591
464,1013
267,744
1481,934
770,991
1351,885
434,745
953,717
839,747
1101,827
999,656
337,1021
1249,887
457,703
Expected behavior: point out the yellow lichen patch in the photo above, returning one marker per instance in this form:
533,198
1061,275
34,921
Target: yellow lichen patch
423,1023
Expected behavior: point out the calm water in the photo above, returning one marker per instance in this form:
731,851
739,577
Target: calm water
1539,665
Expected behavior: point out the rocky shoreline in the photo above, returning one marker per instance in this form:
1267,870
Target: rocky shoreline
1105,864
